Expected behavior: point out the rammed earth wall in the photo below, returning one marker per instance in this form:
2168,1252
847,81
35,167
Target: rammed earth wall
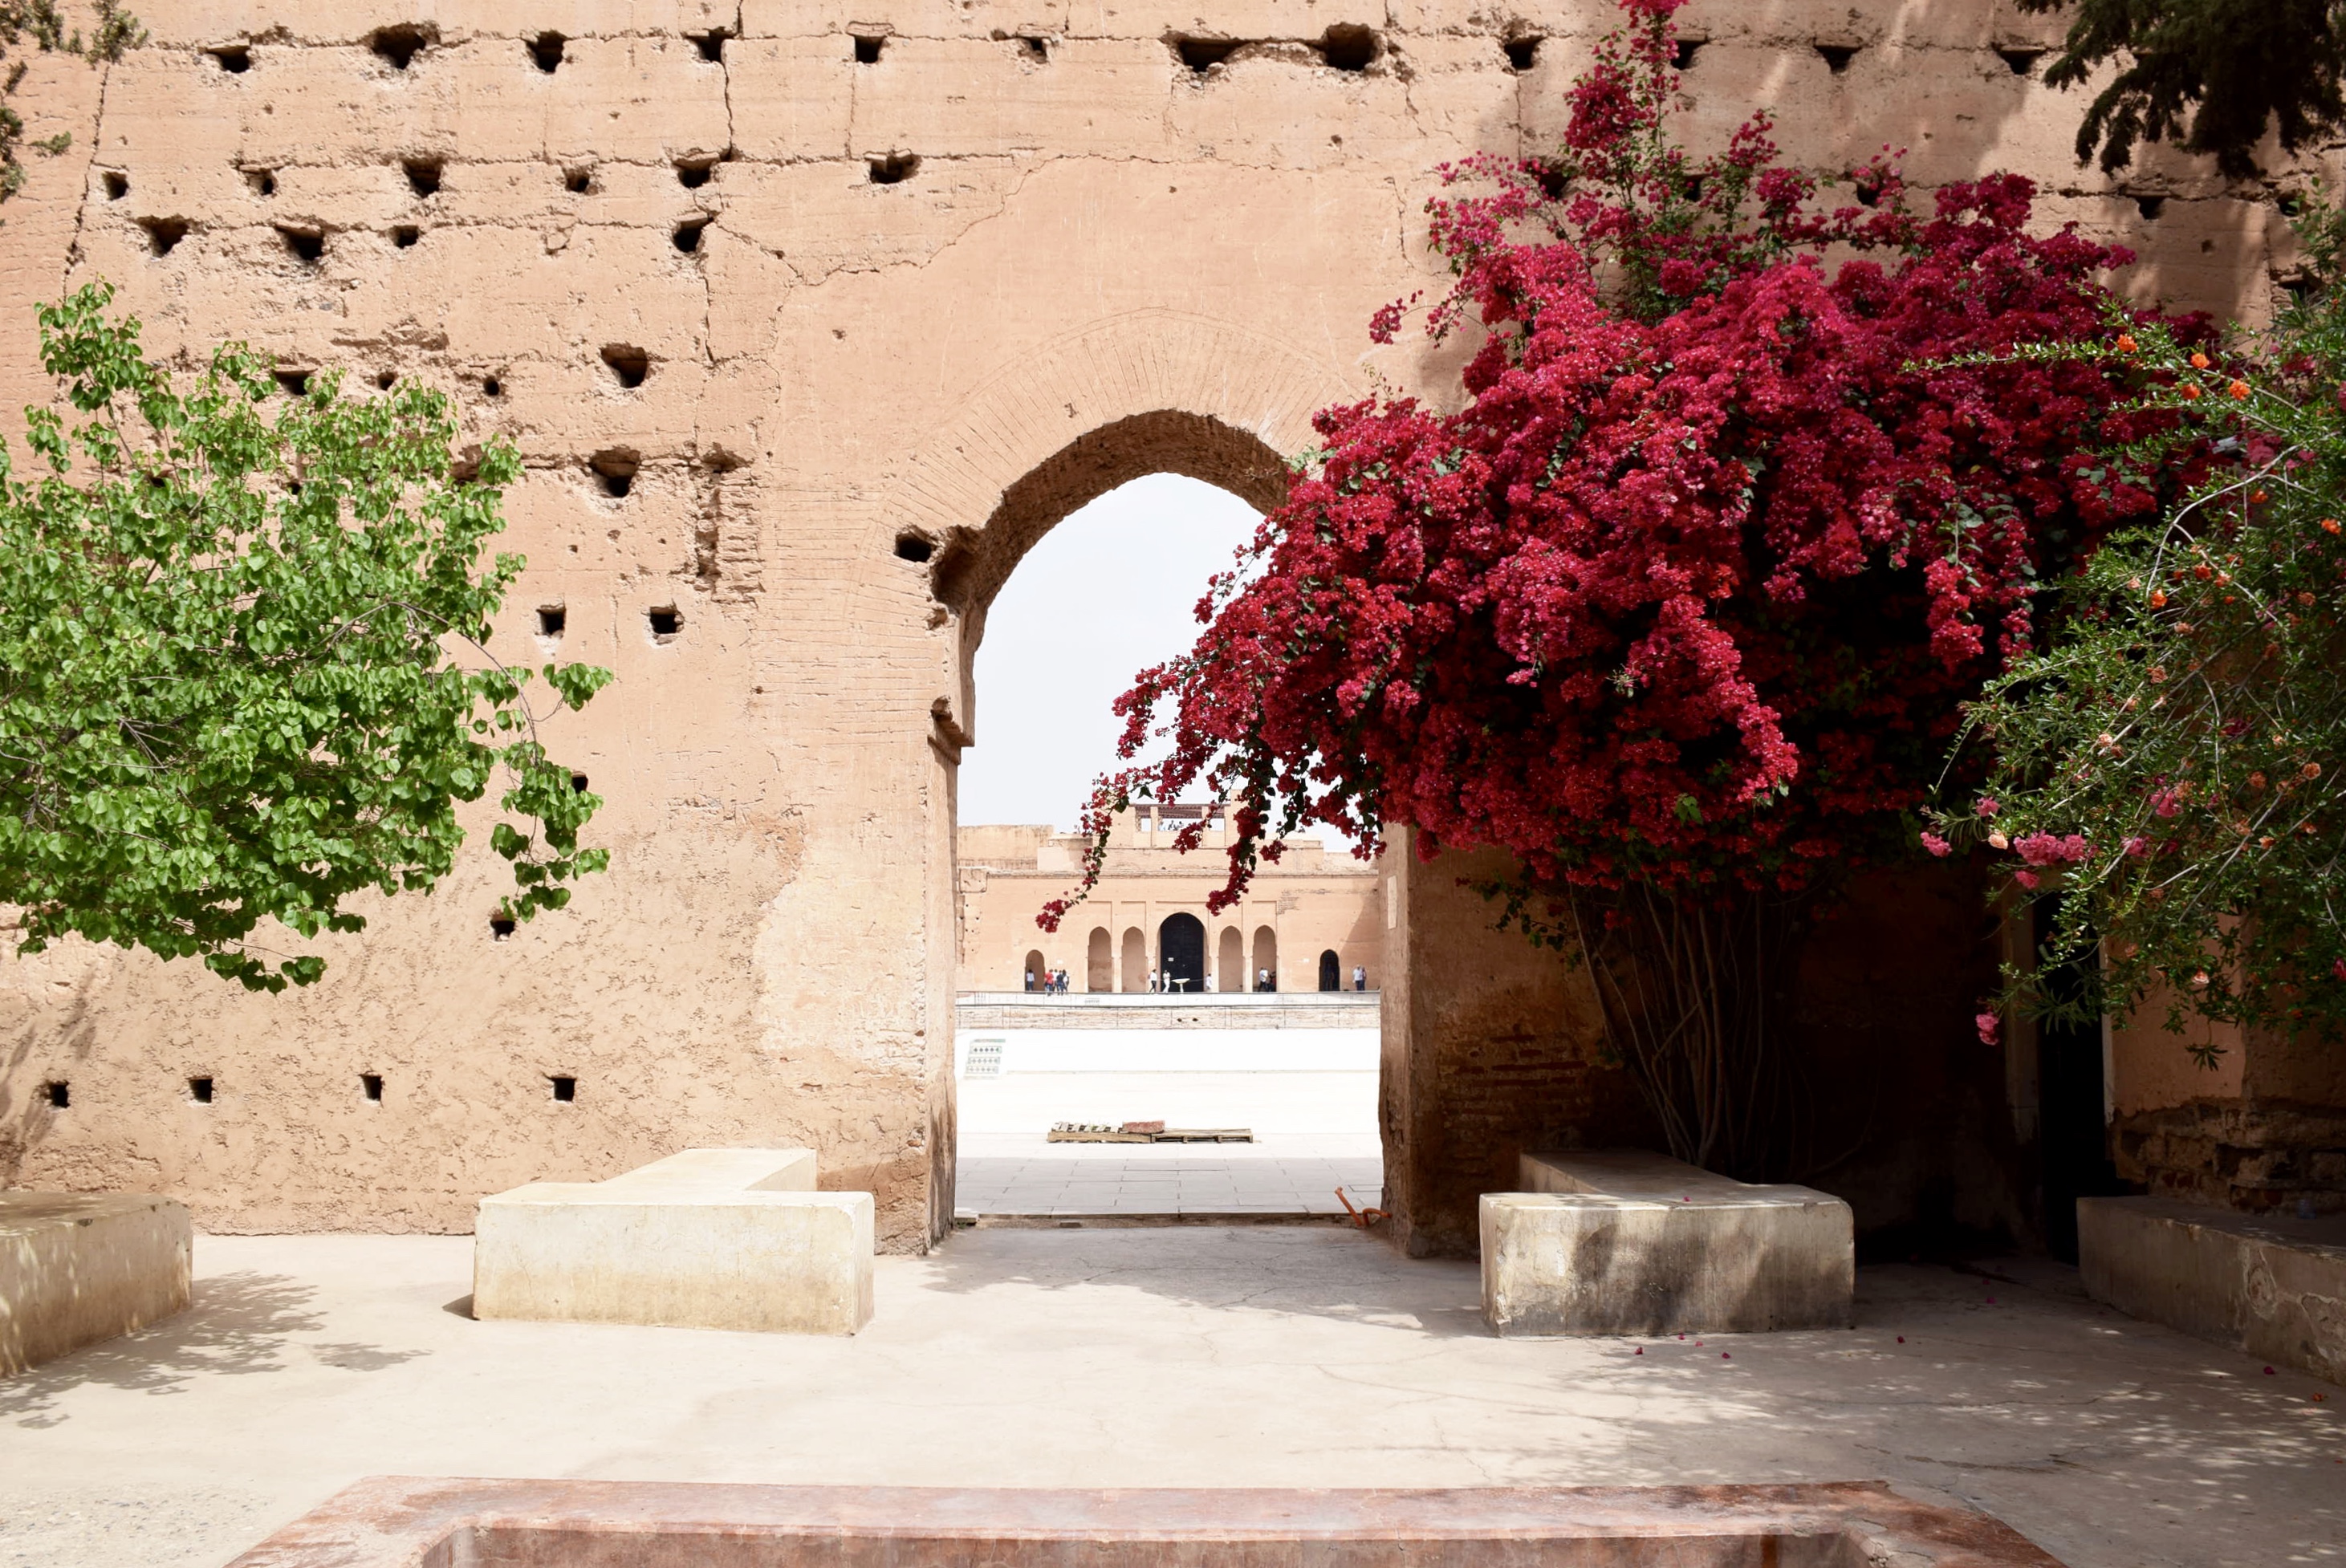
852,302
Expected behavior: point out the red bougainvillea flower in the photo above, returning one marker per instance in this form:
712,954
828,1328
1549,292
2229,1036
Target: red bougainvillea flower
1691,588
1989,1025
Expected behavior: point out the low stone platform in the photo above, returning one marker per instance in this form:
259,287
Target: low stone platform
79,1268
1630,1242
2273,1287
393,1522
708,1238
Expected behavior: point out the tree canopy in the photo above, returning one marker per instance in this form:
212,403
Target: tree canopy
230,617
2209,75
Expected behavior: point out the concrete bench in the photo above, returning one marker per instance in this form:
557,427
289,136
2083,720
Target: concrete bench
2270,1284
1627,1242
708,1238
79,1267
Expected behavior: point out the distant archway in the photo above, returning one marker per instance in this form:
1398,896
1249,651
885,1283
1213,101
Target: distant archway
1331,976
1035,968
1099,961
1181,950
1135,959
1230,964
1266,959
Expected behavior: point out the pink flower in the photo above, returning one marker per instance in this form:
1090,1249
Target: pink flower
1936,845
2025,879
2163,803
2045,850
2137,847
1987,1024
2338,967
1987,806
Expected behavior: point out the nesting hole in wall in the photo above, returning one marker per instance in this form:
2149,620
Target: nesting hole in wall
234,58
117,184
712,46
2020,62
577,182
293,384
2299,290
895,168
2150,206
578,783
1521,53
867,47
616,471
629,363
398,47
371,1085
566,1088
501,926
546,50
1202,55
1837,57
914,547
405,235
551,619
422,175
1038,50
666,620
692,173
308,245
59,1093
385,382
1349,46
1682,55
162,233
491,386
262,180
687,235
199,1090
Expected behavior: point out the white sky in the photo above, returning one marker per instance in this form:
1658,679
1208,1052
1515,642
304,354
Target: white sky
1105,593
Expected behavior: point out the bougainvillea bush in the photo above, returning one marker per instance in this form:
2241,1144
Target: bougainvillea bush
2172,770
1679,607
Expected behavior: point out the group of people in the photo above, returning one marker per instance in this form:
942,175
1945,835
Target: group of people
1054,982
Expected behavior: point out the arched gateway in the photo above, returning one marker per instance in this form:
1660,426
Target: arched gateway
896,319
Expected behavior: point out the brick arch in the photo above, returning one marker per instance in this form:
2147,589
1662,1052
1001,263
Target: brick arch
1142,391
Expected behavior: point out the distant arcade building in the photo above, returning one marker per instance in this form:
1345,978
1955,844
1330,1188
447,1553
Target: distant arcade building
1309,923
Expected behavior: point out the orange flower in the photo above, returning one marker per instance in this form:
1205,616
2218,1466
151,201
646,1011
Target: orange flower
2126,344
2258,498
2329,525
2159,598
2238,389
2192,393
2199,361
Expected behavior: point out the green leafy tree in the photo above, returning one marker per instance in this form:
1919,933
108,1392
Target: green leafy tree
2209,76
40,20
2171,771
241,666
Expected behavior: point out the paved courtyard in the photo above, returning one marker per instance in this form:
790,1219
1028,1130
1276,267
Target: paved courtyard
1256,1356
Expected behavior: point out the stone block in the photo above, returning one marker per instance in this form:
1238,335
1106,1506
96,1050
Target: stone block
1625,1242
708,1238
79,1267
2271,1286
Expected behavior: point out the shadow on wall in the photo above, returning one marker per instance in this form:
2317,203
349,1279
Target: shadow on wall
237,1326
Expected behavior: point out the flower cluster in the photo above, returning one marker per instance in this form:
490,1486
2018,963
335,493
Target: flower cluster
1690,590
2179,740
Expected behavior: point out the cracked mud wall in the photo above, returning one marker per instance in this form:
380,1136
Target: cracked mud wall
875,264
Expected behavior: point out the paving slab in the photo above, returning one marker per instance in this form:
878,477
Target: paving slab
1269,1356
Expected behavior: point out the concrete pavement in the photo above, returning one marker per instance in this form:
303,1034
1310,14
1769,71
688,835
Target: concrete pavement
1256,1356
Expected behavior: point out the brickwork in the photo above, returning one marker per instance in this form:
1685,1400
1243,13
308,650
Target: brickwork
904,282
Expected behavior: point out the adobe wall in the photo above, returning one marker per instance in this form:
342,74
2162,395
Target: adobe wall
929,304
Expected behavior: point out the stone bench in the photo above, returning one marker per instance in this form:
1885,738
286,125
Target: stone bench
2273,1286
79,1267
1628,1242
708,1238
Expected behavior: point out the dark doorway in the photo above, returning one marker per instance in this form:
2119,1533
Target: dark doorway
1182,948
1330,978
2074,1143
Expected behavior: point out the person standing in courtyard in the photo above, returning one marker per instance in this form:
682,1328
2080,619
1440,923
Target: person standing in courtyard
1359,978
